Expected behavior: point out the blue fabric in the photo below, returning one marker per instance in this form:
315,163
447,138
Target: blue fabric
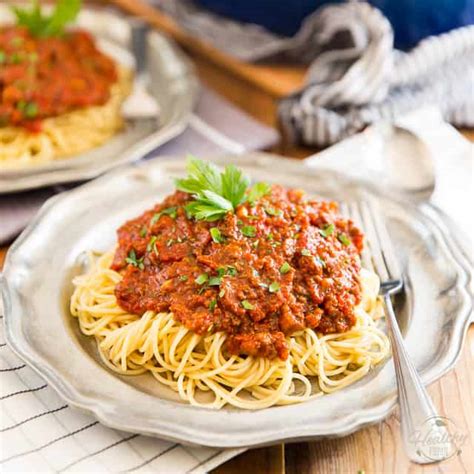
412,20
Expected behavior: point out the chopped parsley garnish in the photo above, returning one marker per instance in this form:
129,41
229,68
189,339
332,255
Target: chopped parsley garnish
271,211
216,193
143,231
169,211
133,260
216,235
306,253
17,41
343,239
249,231
212,305
247,305
16,58
285,268
30,110
327,230
274,287
152,244
232,271
215,281
202,278
183,278
2,57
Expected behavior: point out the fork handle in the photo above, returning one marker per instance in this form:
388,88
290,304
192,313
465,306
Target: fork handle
424,433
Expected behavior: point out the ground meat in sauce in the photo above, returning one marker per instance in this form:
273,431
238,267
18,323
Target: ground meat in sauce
279,266
46,77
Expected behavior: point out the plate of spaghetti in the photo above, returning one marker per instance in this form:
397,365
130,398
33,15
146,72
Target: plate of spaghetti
61,93
201,301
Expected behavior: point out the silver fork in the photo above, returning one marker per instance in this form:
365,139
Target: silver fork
418,416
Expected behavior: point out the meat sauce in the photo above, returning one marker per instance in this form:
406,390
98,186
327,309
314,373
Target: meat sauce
46,77
273,268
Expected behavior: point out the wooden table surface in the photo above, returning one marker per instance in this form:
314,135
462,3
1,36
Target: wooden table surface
375,449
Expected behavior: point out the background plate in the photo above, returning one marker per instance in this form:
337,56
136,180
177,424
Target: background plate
173,84
36,287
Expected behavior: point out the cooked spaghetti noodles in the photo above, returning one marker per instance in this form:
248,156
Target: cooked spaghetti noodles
188,363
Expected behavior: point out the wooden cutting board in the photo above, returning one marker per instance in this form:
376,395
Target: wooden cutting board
254,88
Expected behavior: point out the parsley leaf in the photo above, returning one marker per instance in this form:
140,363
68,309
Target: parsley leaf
232,271
202,278
201,175
344,239
169,211
274,287
41,25
216,235
285,268
327,230
215,281
247,305
257,191
133,260
152,244
271,211
249,231
212,305
234,185
216,193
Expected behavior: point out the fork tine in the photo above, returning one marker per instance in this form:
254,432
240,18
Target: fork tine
354,214
388,252
373,241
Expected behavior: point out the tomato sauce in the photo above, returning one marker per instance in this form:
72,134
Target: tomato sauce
46,77
275,267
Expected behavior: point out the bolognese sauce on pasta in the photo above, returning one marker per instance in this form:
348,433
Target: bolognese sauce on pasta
251,296
59,95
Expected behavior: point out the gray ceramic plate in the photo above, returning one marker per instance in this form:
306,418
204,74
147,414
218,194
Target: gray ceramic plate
173,85
36,286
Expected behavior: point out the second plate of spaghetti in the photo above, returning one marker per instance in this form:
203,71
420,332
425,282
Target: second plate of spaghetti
225,305
61,93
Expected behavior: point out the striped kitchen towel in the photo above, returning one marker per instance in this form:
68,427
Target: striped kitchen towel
41,433
366,80
356,76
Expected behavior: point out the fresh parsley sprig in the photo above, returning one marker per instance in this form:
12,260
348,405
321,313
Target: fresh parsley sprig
42,25
216,193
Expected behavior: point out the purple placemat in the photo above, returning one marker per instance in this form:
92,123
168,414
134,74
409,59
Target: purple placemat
216,127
